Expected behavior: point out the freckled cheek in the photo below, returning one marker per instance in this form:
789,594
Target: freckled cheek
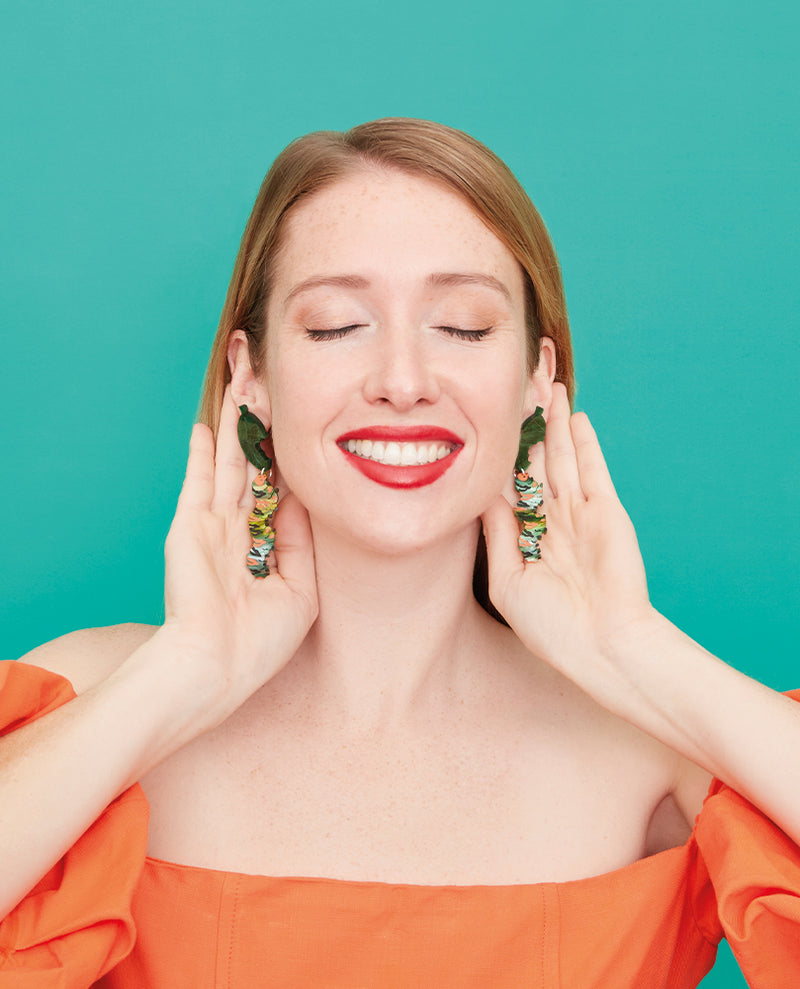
495,425
504,452
300,416
294,424
296,458
499,437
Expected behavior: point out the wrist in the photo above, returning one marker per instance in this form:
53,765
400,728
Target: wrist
638,631
175,682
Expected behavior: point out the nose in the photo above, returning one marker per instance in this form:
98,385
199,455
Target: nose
401,372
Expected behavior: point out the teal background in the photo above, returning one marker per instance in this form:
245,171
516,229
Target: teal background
659,142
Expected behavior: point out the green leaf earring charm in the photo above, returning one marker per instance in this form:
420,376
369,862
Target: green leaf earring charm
531,433
252,433
534,525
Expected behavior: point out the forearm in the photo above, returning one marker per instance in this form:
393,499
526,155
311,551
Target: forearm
584,608
59,773
738,729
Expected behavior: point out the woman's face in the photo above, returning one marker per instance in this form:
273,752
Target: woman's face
396,376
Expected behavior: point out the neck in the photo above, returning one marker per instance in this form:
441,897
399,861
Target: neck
394,633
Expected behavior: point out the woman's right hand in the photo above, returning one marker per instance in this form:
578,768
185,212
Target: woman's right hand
237,629
142,697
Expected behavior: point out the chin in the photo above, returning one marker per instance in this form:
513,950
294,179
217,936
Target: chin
396,539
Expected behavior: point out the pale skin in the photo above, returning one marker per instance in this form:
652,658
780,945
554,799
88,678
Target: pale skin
357,715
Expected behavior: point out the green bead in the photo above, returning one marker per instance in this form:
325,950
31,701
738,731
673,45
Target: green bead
529,538
257,560
261,487
257,524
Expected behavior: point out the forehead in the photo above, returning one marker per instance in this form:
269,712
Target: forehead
388,223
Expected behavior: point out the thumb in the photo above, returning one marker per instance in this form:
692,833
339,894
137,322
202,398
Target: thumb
501,531
294,549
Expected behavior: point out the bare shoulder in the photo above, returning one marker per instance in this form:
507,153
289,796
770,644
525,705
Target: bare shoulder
89,655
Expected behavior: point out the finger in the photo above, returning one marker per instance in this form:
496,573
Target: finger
294,547
230,476
595,478
560,460
501,531
198,484
538,469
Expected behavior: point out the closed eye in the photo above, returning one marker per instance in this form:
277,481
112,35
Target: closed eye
336,333
462,334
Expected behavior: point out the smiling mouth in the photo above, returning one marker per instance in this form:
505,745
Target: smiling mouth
401,456
396,454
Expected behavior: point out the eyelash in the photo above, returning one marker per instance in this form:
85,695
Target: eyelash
337,332
466,334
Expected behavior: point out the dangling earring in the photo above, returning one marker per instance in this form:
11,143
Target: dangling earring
534,526
252,433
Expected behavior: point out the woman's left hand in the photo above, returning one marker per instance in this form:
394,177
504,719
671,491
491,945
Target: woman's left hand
589,585
584,609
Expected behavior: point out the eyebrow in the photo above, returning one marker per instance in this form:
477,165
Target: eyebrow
439,279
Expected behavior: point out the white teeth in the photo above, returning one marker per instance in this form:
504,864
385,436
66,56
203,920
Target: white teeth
399,454
392,455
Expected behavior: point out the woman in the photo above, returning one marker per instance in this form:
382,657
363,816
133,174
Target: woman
466,800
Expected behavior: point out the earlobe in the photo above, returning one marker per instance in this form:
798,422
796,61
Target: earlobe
247,388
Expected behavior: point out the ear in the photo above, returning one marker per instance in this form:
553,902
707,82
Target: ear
539,390
247,388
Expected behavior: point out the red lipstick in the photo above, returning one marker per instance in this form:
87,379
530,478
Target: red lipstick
398,475
402,434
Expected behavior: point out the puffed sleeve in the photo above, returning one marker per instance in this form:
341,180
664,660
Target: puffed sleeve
754,871
76,923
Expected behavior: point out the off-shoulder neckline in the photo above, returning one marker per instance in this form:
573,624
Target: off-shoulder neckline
643,864
650,862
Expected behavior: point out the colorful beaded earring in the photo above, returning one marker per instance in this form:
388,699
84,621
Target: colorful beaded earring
534,526
252,433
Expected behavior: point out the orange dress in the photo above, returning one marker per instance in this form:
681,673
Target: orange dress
108,916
